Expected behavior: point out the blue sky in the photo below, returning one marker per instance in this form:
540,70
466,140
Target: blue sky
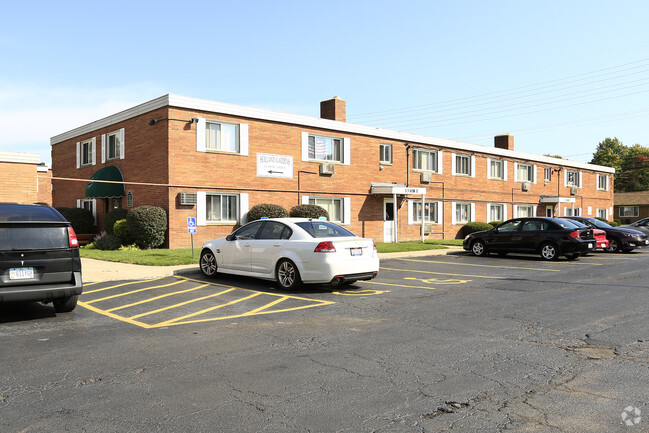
559,75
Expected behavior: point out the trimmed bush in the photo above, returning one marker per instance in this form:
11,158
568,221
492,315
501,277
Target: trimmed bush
615,222
308,211
121,231
81,219
106,241
112,217
473,227
147,225
266,210
495,223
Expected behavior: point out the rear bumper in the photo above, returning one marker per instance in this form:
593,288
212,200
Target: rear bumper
363,276
42,292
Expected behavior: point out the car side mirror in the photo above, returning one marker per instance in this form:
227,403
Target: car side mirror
229,237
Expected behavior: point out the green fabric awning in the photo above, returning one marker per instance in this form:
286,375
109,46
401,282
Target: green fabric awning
104,189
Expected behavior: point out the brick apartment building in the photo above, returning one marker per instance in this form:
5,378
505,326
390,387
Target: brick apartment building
631,206
24,179
213,161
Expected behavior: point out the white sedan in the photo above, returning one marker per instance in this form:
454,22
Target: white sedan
292,251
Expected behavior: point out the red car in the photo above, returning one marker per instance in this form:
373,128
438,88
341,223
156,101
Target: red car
600,236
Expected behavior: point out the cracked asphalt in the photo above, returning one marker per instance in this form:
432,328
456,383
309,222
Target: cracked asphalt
435,344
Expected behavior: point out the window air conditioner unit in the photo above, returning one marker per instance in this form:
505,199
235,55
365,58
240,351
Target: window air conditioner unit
525,186
573,190
428,229
426,177
188,198
327,168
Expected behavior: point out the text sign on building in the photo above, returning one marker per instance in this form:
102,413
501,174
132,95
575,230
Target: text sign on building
269,165
191,225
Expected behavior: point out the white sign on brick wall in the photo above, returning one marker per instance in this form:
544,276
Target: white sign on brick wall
269,165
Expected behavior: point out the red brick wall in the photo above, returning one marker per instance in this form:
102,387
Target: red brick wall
45,187
18,182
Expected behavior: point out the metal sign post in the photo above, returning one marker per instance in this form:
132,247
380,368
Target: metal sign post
191,228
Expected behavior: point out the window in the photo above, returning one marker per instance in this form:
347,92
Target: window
547,174
496,169
385,154
222,136
534,226
86,152
629,211
524,211
325,148
430,211
602,213
463,212
425,160
90,205
334,206
462,165
572,211
275,230
510,226
525,173
602,182
573,178
496,212
221,207
112,145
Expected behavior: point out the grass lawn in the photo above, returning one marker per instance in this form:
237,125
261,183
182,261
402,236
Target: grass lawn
183,256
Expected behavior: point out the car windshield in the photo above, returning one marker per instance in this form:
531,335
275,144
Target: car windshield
578,223
566,224
599,224
324,229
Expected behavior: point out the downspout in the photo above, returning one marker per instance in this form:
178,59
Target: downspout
407,163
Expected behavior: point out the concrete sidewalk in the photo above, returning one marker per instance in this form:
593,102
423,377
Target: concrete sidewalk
99,270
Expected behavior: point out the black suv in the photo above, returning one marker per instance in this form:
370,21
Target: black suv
619,238
39,256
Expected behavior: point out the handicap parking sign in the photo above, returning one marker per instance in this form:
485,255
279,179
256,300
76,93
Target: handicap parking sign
191,225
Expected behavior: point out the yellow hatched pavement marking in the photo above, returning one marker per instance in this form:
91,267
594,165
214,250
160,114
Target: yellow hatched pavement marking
442,273
183,303
117,285
207,310
132,292
155,298
481,266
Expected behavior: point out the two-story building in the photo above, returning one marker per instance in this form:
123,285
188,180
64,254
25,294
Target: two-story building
213,161
24,179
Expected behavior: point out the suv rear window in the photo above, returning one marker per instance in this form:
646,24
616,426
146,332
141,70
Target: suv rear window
324,229
33,238
22,213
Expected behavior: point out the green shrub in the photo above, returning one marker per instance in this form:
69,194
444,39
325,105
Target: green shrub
615,222
266,210
495,223
472,227
147,225
308,211
81,219
112,217
120,229
106,241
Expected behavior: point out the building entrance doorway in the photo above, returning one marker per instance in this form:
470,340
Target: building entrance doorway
388,220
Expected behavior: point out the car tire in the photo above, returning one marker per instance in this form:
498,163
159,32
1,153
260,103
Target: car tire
287,275
573,256
66,304
549,251
628,250
478,248
613,245
208,263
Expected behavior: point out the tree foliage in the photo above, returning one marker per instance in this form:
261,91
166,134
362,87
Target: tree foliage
631,164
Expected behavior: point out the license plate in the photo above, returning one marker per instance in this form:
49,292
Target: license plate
603,246
356,251
21,273
590,245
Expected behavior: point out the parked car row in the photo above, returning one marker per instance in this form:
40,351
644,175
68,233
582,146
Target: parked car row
553,237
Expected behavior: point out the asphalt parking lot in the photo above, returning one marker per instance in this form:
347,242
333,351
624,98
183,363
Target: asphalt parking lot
435,343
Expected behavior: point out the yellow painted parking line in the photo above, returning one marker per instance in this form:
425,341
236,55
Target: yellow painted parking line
207,310
400,285
213,295
133,291
115,316
120,285
445,273
481,266
155,298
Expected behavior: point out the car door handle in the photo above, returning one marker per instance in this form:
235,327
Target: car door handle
277,245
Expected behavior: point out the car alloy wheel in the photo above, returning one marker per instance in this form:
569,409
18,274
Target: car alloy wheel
478,248
288,277
613,245
549,252
208,263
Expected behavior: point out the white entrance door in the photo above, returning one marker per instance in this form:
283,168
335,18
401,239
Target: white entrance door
388,220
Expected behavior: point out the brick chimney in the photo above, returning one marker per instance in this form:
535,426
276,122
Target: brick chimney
334,109
504,141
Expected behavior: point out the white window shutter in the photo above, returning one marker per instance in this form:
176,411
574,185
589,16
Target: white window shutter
347,211
534,173
453,213
505,170
243,207
410,217
534,210
79,204
515,214
78,155
305,199
607,183
243,139
472,212
347,151
489,168
94,150
94,209
472,166
201,208
590,210
453,164
122,143
103,148
579,180
565,177
440,162
200,135
516,172
305,146
440,212
505,212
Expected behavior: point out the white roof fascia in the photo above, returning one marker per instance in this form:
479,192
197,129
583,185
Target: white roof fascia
20,157
314,122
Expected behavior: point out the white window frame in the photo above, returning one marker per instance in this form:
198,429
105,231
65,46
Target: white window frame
503,167
201,208
532,167
547,174
517,208
571,211
385,153
91,206
241,139
345,152
493,205
602,213
414,211
454,209
462,159
576,179
92,146
346,207
601,187
635,209
105,138
436,156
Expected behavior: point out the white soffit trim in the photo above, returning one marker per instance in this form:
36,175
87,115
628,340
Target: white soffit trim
314,122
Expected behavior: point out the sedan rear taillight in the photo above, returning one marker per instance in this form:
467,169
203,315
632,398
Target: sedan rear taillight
374,246
575,234
325,247
72,238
